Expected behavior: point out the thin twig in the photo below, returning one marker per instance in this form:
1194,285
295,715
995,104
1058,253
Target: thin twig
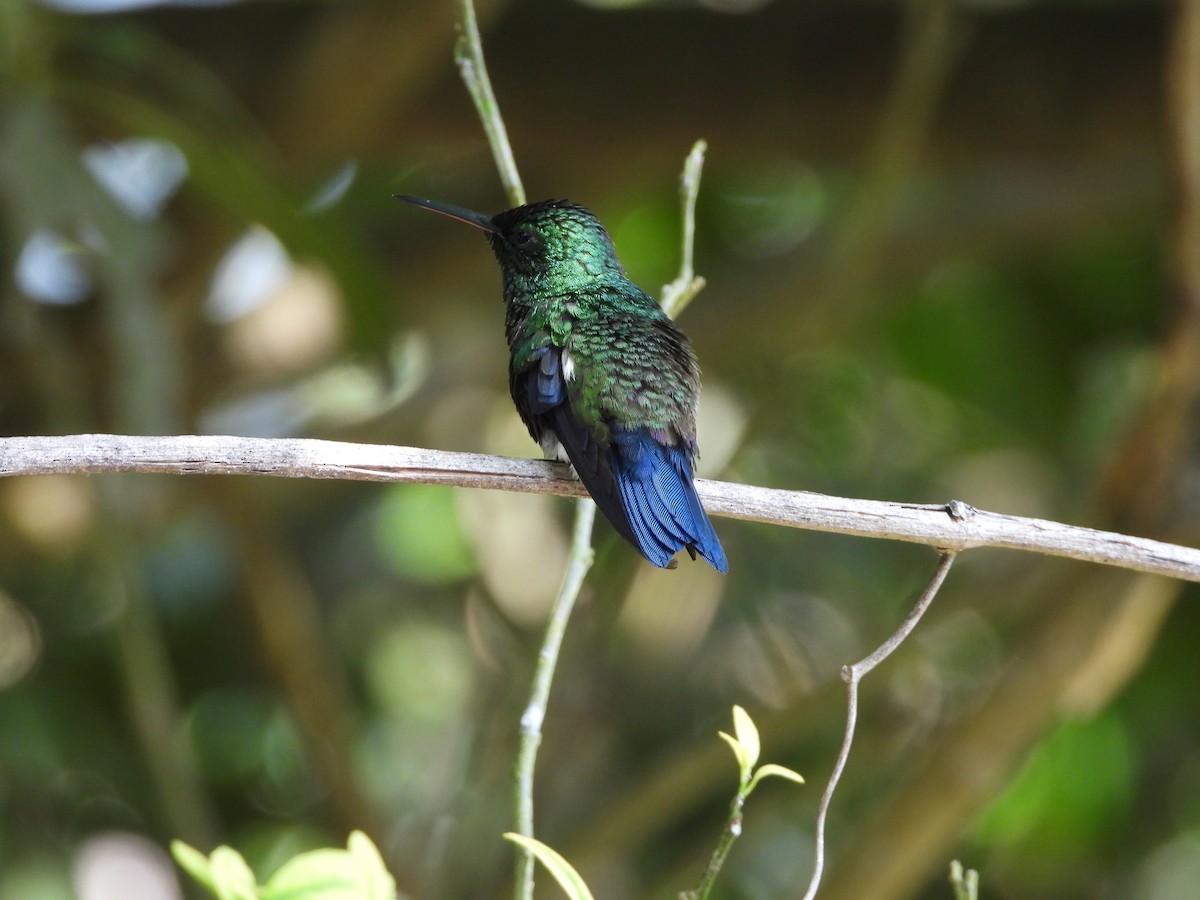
730,834
1096,630
468,53
852,675
964,882
579,562
950,526
680,292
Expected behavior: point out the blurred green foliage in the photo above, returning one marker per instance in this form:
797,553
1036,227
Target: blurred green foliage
1069,793
272,664
356,873
419,535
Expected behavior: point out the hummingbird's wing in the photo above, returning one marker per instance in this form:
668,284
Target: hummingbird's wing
592,461
639,476
636,381
539,390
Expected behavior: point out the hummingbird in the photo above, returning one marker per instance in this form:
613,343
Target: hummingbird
600,375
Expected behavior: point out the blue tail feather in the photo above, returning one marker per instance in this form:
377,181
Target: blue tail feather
664,513
643,487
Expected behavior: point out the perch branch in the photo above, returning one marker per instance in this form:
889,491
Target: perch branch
951,526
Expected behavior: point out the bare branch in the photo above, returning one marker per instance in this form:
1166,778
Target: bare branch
578,564
952,526
853,675
677,294
469,56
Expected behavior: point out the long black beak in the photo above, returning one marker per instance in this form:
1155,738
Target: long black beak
479,220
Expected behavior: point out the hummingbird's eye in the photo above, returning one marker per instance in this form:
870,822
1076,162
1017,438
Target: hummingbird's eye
524,238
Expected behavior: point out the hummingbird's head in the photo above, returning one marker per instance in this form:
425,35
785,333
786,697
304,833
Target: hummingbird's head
553,239
545,244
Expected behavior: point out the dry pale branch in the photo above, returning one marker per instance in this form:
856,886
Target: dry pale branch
951,526
853,676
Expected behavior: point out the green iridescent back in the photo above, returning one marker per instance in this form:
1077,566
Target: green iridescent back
626,361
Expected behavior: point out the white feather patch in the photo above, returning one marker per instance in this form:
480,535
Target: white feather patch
552,448
568,366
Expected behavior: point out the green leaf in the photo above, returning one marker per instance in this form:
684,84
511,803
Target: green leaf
225,874
327,874
739,752
771,769
375,881
357,873
194,863
231,877
563,872
747,734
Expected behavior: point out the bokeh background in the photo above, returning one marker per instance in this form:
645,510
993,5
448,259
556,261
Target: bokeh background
952,251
